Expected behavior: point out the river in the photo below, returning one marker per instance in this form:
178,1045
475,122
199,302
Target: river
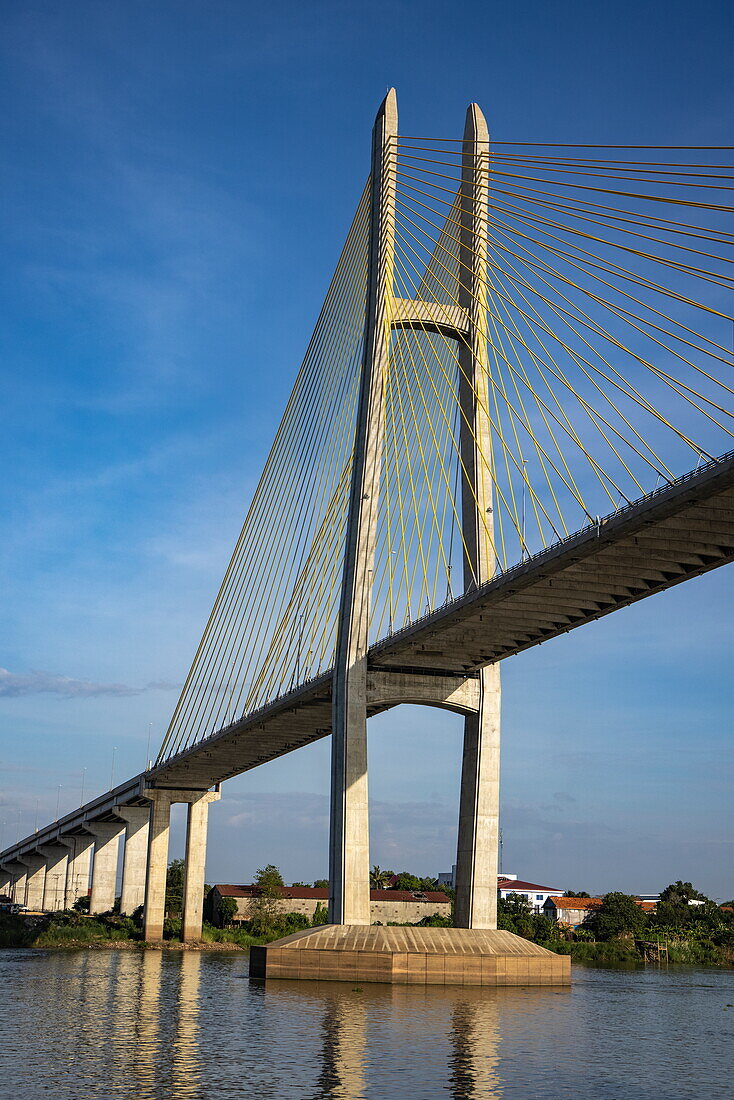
99,1025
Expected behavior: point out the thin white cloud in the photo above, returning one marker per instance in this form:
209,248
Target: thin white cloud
13,685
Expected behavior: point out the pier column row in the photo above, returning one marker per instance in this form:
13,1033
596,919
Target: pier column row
195,857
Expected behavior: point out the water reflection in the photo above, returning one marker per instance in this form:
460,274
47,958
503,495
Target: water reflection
186,1064
147,1021
475,1056
154,1025
343,1047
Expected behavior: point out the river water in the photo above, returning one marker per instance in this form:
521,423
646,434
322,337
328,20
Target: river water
98,1025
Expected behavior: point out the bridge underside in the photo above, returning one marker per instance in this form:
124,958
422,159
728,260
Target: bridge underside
677,533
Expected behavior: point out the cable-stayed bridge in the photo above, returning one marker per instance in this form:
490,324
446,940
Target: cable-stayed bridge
509,421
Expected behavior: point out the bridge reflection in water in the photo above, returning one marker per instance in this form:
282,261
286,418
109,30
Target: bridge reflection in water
187,1025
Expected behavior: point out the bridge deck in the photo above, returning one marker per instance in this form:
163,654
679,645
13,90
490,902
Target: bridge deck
678,532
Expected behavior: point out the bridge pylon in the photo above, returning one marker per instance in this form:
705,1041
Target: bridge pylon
355,686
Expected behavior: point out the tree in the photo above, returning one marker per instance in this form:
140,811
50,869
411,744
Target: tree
616,915
264,907
379,879
320,915
227,911
269,878
681,893
576,894
175,886
321,884
405,881
514,915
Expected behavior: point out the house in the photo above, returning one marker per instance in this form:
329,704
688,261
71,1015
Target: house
570,912
535,894
508,884
402,906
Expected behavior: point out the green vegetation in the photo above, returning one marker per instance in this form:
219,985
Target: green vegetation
68,929
175,886
227,910
403,880
619,931
617,915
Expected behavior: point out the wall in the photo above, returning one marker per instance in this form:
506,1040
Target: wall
383,911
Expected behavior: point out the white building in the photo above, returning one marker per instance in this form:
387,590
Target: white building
510,884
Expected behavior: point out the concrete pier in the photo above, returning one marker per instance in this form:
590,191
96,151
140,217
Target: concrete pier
155,879
349,856
78,866
196,838
135,856
158,837
104,868
54,888
35,879
478,839
18,873
477,846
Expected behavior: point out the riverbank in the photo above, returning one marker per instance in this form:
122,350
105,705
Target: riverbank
111,931
77,930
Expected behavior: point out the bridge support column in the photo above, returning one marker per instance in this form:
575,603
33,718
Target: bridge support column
155,879
54,886
135,857
6,881
476,861
77,867
35,880
349,857
18,873
104,868
196,836
477,848
158,837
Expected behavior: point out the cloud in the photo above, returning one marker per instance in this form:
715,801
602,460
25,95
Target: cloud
13,685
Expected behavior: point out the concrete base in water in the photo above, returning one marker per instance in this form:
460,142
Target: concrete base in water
410,956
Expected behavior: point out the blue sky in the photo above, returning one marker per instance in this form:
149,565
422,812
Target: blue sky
177,179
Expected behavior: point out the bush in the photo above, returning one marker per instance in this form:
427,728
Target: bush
617,915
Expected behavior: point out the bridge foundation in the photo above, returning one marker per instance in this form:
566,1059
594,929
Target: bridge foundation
78,867
104,868
54,886
35,879
135,856
410,956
